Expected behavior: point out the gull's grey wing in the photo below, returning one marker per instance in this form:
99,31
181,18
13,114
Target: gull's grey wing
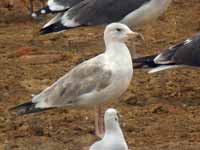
93,12
87,77
184,53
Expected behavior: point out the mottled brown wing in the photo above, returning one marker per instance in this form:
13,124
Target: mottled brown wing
83,79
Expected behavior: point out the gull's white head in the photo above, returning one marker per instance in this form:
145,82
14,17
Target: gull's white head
111,118
113,138
117,32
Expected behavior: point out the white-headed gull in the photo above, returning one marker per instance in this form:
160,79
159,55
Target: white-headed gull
113,138
93,82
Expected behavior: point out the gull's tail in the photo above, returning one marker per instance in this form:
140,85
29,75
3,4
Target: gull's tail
27,108
145,62
151,62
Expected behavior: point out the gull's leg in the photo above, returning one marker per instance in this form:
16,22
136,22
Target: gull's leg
11,3
99,122
43,3
102,127
30,6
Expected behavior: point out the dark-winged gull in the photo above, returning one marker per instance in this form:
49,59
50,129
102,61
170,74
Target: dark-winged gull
94,12
55,6
30,7
185,53
93,82
113,138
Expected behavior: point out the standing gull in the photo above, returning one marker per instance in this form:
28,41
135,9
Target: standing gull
31,5
94,12
185,53
113,138
93,82
55,6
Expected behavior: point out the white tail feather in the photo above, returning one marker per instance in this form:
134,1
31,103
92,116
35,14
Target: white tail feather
161,68
54,20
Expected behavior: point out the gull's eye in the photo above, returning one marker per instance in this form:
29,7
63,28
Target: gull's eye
116,119
119,30
118,115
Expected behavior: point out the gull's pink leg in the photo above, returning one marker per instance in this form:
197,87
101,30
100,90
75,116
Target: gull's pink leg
43,3
102,127
99,122
11,3
30,6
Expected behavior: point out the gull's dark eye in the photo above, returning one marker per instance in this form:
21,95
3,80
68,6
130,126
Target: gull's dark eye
116,119
119,30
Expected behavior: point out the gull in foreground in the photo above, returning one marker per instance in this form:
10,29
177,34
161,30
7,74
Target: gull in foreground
93,82
186,53
96,12
113,138
55,6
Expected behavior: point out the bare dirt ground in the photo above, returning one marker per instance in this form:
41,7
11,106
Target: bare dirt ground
159,112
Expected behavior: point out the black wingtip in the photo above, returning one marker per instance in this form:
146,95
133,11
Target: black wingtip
145,62
56,27
22,108
26,108
44,31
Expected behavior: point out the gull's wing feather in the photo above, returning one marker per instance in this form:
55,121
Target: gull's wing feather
94,12
103,11
183,53
87,77
90,76
54,20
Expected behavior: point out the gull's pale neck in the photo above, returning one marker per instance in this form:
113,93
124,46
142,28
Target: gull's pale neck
115,44
114,135
112,127
117,50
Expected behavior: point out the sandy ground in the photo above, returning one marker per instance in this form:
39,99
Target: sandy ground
159,112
